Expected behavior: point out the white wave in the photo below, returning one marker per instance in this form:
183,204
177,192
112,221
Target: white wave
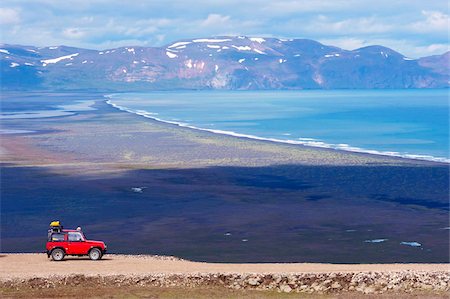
311,142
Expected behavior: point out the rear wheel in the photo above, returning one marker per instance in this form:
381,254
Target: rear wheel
95,254
58,254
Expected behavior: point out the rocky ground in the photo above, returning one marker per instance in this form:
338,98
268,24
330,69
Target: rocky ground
322,283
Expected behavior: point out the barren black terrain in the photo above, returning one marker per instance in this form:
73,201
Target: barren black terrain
211,198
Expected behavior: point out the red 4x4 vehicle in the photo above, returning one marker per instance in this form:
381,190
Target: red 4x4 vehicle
62,242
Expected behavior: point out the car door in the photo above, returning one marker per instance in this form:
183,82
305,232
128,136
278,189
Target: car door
77,244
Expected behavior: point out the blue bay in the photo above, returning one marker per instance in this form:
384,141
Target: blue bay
409,123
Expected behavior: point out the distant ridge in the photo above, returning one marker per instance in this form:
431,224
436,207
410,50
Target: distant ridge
240,63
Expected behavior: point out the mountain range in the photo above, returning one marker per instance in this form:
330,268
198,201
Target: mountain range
219,63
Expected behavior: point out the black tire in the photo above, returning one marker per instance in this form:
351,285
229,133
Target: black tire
58,254
95,254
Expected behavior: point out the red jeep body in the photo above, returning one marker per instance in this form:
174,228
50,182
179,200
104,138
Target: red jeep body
73,242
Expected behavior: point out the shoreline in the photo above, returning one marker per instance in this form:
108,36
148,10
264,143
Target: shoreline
388,159
310,143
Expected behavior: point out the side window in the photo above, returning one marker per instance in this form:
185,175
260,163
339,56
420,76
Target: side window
75,237
57,237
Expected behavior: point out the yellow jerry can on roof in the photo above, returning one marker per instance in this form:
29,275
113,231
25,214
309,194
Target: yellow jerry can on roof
55,223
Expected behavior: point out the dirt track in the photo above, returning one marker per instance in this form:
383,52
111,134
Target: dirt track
37,265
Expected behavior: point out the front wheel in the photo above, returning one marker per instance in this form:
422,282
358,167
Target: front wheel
58,254
95,254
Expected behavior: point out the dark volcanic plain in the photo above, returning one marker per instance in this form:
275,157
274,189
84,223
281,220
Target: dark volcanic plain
207,197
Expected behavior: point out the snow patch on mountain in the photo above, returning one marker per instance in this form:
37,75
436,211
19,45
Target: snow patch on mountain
178,44
242,48
4,51
58,59
213,46
14,64
171,55
211,40
257,39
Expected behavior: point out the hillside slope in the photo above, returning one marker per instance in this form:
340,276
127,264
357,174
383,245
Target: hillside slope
219,63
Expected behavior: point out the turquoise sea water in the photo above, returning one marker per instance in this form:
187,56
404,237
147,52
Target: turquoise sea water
408,123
